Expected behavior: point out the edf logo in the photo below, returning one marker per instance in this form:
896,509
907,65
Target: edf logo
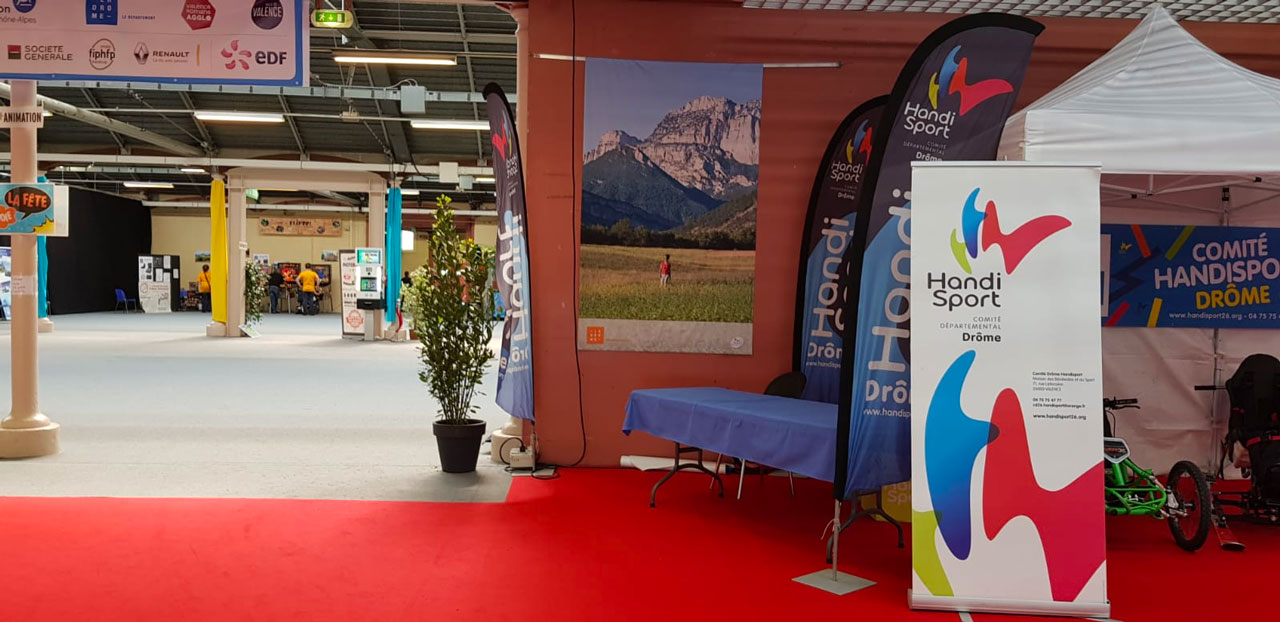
271,58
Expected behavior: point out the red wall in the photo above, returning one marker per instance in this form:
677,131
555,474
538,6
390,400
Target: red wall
800,110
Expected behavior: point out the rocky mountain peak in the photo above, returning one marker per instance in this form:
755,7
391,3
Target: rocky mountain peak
610,141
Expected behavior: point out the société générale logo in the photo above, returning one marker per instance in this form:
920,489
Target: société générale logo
950,80
101,54
982,228
237,57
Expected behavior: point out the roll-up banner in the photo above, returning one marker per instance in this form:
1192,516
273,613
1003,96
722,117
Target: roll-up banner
515,365
828,230
1006,450
950,103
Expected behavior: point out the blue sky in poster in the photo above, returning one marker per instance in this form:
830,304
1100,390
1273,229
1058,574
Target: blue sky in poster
617,98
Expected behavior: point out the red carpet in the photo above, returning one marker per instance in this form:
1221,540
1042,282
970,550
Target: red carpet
582,547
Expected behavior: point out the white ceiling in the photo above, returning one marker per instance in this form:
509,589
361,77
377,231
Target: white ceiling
1249,11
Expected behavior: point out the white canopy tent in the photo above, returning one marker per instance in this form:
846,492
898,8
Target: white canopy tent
1185,137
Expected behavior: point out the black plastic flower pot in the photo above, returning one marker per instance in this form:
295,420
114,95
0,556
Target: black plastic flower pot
458,444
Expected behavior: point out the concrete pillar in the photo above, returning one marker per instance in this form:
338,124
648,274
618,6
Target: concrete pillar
26,432
237,255
376,237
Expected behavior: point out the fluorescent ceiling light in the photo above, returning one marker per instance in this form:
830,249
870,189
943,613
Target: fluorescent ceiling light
147,184
239,117
410,192
448,124
486,180
393,57
192,169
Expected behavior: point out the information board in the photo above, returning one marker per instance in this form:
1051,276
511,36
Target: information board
255,42
1006,389
1190,276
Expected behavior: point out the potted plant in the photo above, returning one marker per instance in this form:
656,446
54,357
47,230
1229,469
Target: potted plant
447,299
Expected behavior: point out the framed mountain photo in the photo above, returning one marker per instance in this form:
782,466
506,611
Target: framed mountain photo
670,166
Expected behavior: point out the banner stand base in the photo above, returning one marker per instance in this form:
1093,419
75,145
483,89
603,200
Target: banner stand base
999,605
844,583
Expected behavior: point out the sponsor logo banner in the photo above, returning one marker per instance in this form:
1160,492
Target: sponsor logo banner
515,364
1189,276
264,42
1006,379
833,204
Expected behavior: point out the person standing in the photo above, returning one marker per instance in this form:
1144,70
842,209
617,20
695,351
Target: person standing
307,282
275,281
204,285
664,271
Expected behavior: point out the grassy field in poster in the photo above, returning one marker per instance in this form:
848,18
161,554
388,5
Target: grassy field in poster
706,285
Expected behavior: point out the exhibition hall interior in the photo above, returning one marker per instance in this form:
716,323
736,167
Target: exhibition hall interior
344,310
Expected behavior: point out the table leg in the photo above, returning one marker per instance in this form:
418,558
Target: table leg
877,510
695,466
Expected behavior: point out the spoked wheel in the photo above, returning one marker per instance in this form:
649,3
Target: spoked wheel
1189,505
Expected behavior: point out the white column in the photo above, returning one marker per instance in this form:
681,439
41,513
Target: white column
26,432
237,249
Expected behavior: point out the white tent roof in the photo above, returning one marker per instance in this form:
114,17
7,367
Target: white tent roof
1160,102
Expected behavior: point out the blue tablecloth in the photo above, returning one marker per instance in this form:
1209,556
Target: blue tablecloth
794,435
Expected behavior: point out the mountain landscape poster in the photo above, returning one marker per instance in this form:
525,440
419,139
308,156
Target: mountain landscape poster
671,160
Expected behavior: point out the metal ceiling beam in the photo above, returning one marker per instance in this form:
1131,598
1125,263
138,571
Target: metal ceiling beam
93,101
92,118
107,159
471,76
325,92
209,146
380,77
293,127
428,37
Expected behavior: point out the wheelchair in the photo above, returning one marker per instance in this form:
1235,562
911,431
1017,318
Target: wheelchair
1252,443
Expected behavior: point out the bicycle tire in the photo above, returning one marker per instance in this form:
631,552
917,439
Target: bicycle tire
1202,504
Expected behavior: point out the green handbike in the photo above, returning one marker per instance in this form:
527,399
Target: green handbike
1183,500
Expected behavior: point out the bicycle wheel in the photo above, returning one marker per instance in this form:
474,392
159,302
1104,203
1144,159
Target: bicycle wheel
1190,490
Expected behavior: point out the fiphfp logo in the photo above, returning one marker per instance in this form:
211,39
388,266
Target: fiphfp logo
1015,245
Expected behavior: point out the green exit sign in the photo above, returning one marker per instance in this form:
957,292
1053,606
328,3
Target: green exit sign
332,19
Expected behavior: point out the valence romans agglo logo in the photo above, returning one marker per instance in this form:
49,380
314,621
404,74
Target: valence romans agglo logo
952,79
981,230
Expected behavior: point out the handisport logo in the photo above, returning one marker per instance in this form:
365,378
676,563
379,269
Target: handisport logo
857,151
501,140
981,229
950,80
861,138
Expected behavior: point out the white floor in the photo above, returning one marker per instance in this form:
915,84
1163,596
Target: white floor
149,407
